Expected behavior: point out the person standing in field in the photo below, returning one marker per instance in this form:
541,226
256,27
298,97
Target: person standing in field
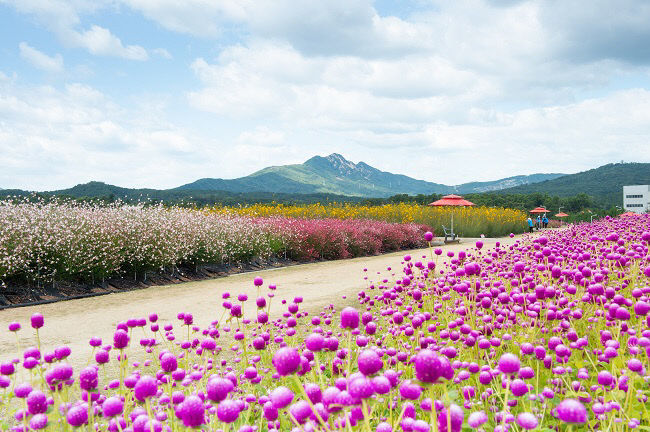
545,221
530,224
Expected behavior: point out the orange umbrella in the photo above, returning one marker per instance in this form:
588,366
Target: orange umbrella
539,210
561,215
454,201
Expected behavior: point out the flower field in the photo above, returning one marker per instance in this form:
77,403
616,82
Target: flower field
468,221
46,242
549,334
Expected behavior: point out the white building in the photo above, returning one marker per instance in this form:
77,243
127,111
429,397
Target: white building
636,198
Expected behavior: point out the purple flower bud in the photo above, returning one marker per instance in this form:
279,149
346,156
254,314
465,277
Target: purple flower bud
37,321
77,415
192,412
572,411
286,361
369,362
112,407
228,411
509,364
349,318
145,388
218,388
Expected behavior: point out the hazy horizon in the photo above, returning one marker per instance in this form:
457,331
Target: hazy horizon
158,93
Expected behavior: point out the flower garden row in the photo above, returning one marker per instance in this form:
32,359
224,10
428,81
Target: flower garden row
551,333
468,221
59,241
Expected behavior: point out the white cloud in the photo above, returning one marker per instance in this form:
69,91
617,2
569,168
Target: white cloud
40,59
195,17
63,19
162,52
100,41
53,138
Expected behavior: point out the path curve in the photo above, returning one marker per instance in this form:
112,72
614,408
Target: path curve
74,322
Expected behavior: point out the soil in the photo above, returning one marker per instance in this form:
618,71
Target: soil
74,322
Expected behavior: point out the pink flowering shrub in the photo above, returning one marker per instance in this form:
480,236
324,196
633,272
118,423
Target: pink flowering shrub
69,241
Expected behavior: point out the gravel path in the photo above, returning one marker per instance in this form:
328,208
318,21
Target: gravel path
74,322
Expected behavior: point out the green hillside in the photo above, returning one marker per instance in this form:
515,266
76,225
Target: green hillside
605,183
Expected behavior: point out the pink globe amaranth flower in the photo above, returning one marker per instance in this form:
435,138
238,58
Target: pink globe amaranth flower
22,390
281,397
286,361
410,390
95,342
476,419
228,411
120,339
102,357
62,352
300,411
479,244
270,412
37,321
315,342
192,411
14,326
38,421
361,388
527,421
369,362
77,415
58,373
7,368
146,387
218,388
168,362
428,236
112,406
349,318
89,378
313,392
457,415
428,367
509,364
36,402
380,384
572,411
384,427
258,281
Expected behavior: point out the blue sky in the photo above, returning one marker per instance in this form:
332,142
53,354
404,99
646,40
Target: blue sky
157,93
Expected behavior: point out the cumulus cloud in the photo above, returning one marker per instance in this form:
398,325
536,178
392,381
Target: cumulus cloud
63,19
100,41
57,138
40,59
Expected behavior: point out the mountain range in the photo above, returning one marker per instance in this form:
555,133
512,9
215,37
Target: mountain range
335,178
334,174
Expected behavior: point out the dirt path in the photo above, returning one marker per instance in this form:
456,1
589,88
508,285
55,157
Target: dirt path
74,322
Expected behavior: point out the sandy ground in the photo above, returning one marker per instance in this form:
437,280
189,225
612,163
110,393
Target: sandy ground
74,322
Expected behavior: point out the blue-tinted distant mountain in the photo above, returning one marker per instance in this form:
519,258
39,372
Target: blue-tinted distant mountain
509,182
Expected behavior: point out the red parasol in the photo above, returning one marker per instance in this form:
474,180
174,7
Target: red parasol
561,215
453,201
539,210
